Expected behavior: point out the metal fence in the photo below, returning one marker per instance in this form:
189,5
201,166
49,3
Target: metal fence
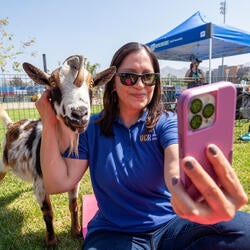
18,94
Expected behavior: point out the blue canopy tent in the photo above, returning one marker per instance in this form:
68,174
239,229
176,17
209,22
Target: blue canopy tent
198,37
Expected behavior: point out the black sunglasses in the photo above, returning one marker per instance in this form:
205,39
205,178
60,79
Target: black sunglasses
130,79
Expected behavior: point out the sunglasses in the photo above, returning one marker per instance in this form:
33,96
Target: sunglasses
130,79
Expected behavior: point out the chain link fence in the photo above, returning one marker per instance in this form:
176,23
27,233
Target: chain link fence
18,94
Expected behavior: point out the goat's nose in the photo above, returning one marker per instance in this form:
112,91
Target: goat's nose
79,112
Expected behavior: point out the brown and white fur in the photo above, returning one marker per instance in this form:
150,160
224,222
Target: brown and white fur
69,92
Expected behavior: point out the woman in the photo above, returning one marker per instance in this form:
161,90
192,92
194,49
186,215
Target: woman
132,152
194,76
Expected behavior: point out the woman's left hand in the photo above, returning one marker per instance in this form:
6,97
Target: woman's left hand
219,203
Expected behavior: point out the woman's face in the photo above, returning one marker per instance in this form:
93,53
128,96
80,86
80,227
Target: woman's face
196,64
136,97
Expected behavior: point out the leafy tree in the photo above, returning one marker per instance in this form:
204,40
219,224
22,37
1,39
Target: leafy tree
92,68
8,53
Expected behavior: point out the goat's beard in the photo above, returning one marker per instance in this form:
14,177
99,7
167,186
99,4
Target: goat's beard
74,144
75,129
75,126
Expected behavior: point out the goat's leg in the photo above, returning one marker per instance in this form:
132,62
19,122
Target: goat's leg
3,170
46,208
45,205
73,207
2,175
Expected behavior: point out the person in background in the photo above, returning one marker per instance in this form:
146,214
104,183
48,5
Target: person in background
194,76
131,149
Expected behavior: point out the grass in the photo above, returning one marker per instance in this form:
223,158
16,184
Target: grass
22,225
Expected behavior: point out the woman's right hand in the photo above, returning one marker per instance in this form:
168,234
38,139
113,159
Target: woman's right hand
45,109
220,203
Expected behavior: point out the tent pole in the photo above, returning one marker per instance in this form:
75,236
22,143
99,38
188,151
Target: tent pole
210,59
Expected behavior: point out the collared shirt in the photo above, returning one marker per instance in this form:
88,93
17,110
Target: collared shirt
127,174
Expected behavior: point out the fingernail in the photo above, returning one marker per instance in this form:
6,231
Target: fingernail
174,181
189,164
212,150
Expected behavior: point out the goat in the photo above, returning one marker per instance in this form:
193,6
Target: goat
69,92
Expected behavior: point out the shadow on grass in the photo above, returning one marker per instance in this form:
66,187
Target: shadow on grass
7,199
14,234
12,237
11,221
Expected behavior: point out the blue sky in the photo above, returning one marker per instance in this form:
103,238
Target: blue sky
97,28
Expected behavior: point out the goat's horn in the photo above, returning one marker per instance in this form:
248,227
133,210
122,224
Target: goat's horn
80,76
54,78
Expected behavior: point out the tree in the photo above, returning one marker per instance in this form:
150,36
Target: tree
92,68
8,53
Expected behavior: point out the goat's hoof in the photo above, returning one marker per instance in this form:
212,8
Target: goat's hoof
52,242
76,232
2,175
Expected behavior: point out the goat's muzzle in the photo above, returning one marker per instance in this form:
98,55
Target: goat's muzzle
79,119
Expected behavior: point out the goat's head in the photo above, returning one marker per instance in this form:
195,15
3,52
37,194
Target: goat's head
69,89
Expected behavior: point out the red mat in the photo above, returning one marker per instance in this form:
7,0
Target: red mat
89,208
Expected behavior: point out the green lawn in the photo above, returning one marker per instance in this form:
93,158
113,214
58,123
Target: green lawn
22,226
21,221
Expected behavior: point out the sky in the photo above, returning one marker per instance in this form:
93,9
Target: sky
97,28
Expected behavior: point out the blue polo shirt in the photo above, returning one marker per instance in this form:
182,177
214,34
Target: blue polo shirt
127,174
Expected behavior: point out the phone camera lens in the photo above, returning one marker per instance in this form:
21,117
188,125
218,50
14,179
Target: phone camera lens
196,122
196,106
208,110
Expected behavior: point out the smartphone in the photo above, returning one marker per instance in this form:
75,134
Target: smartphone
206,115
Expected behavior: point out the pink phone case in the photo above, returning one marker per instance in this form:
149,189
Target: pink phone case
206,115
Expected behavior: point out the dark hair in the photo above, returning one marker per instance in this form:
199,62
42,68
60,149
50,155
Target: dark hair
110,98
191,66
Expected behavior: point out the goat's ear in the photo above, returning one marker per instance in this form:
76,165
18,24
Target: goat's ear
36,74
104,76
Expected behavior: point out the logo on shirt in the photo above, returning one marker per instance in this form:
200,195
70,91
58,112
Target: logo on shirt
148,137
